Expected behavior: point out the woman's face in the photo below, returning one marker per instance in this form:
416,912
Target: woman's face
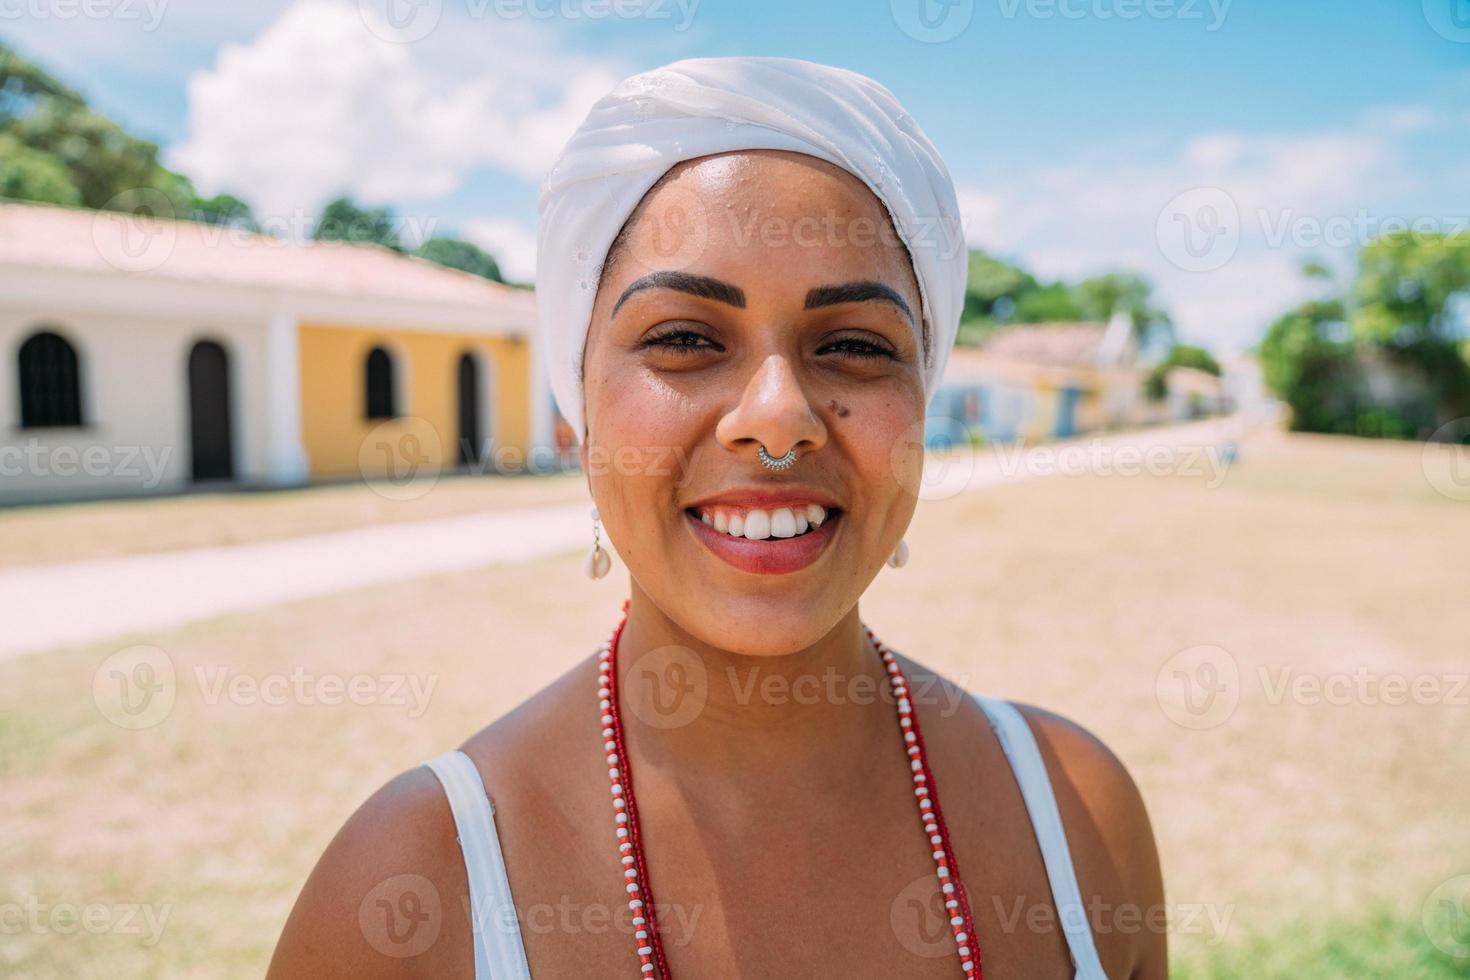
756,299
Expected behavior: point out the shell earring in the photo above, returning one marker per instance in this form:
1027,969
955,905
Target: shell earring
900,556
598,563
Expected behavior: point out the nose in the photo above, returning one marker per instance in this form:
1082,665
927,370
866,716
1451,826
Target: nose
773,411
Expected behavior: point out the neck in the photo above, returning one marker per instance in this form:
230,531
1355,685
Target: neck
692,706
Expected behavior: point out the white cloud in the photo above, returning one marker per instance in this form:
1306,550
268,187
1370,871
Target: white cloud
512,244
319,104
1317,195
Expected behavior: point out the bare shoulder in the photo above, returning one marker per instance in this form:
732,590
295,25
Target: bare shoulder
1110,836
382,901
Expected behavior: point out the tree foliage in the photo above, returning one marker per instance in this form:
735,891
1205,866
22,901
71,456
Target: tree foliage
343,220
462,255
1388,358
999,292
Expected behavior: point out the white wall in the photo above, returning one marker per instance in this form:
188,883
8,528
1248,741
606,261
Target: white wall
135,399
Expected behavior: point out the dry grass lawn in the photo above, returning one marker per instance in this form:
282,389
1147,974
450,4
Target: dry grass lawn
1319,828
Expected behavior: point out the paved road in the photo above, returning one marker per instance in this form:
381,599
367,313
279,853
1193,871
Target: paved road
48,606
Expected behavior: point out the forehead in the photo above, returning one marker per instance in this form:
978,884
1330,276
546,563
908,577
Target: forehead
764,212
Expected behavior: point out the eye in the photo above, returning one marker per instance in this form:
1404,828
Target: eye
859,348
679,340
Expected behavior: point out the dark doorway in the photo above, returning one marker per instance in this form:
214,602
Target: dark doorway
209,412
470,449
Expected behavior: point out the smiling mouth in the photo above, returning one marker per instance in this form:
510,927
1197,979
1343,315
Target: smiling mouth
757,524
766,542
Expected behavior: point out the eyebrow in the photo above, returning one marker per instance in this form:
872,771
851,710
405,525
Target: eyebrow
684,282
857,292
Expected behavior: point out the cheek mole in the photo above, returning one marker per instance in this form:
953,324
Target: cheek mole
842,410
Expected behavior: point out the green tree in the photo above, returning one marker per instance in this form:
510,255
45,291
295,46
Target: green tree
106,167
223,209
1103,295
1054,302
462,255
30,175
1309,360
343,220
1182,355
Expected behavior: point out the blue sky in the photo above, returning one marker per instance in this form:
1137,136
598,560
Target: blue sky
1083,134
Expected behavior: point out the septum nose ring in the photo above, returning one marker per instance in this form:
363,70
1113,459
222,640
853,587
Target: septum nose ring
777,462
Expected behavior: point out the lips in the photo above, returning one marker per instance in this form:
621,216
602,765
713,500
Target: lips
769,555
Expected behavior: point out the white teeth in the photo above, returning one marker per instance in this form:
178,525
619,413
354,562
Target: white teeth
757,525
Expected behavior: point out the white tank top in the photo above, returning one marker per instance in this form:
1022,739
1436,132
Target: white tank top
501,955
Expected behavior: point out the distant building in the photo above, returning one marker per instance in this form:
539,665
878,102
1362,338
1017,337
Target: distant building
1034,381
144,356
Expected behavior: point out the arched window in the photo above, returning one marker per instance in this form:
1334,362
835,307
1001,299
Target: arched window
50,382
379,386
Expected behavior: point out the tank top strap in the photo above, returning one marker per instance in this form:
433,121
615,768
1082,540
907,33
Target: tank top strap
499,951
1019,744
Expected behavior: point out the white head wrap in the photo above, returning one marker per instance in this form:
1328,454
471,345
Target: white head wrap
701,106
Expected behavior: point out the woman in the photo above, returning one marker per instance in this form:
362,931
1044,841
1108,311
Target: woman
749,281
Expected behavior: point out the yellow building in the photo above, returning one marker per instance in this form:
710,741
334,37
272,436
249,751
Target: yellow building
146,356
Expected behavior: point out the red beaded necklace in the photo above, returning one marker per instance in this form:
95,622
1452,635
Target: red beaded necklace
630,843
